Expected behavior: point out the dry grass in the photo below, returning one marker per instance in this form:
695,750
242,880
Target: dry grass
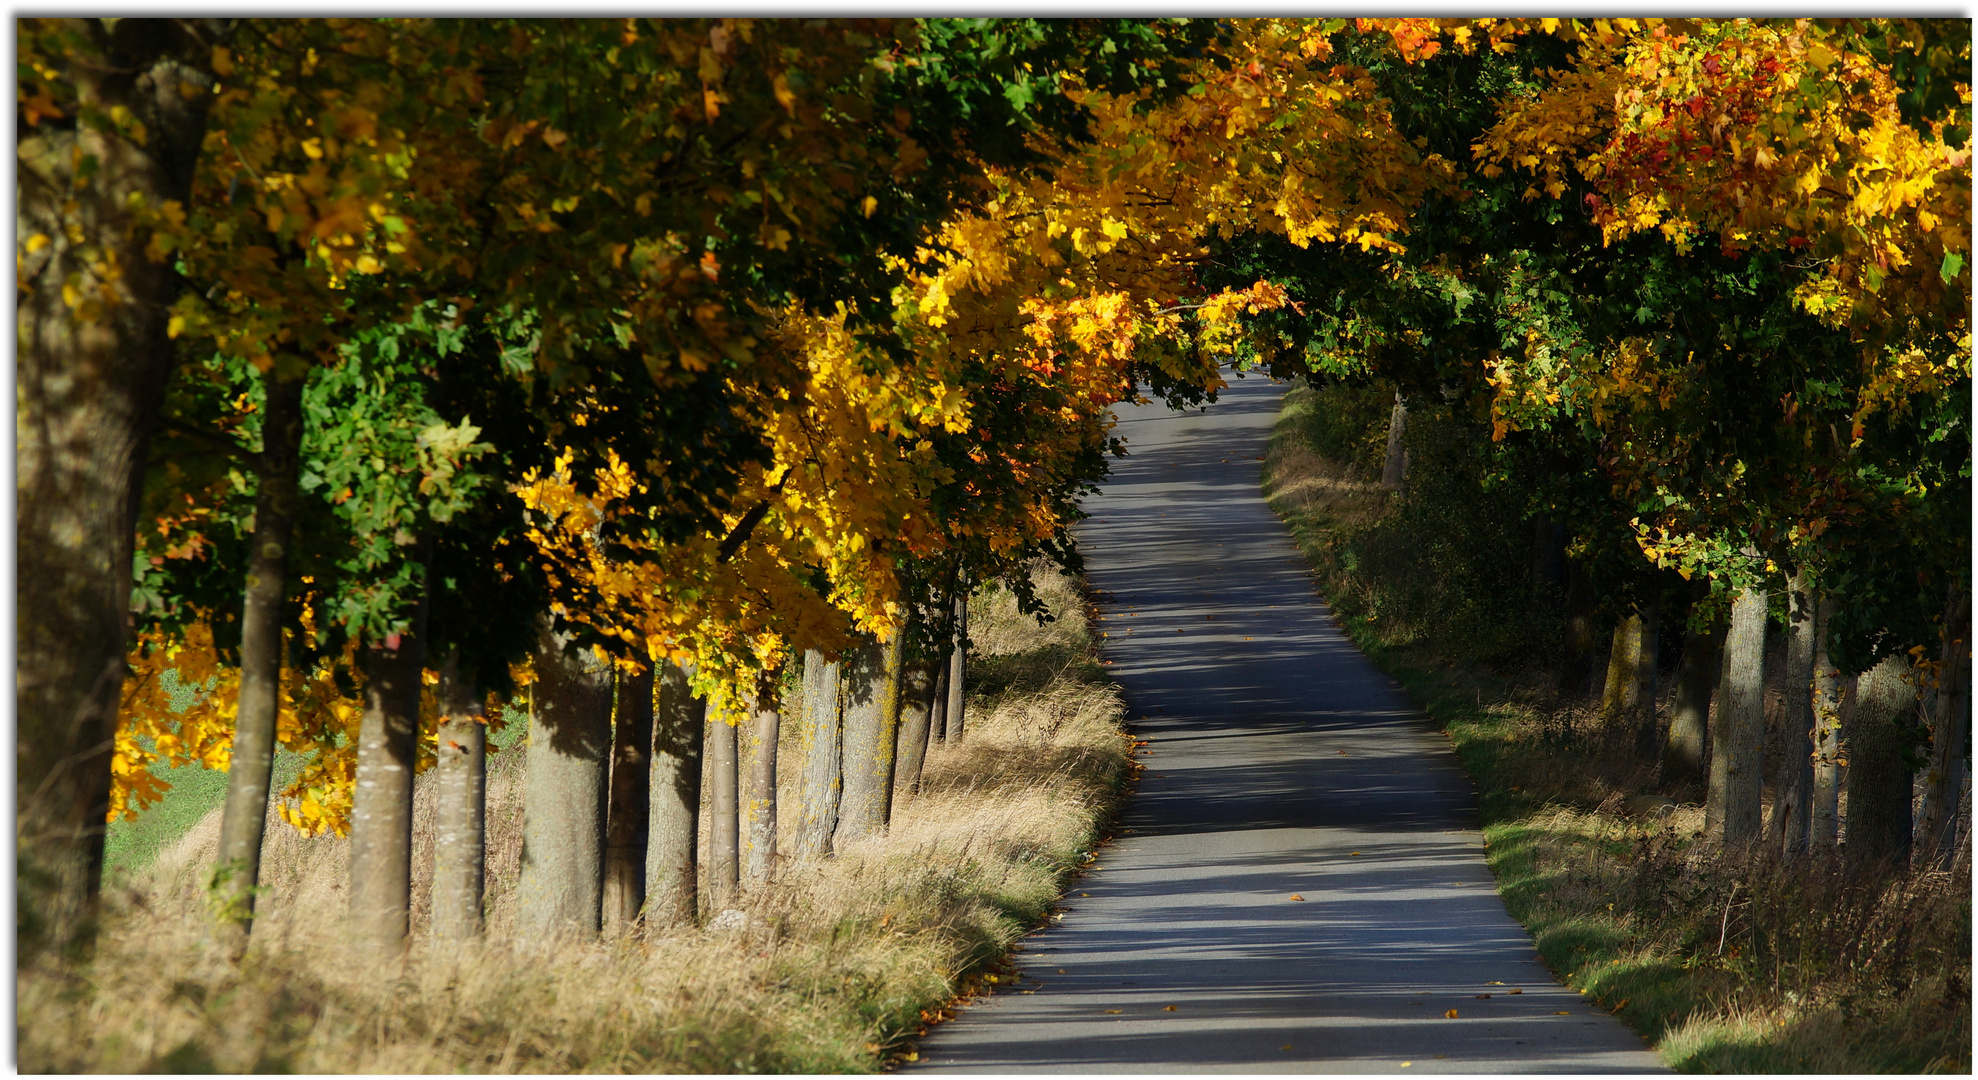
842,961
1728,963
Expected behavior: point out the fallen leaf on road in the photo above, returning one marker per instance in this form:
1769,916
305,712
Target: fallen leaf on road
1286,1046
1172,1008
1495,982
1451,1014
1295,896
1483,997
1061,971
1112,1012
1517,989
1405,1064
1352,853
1562,1012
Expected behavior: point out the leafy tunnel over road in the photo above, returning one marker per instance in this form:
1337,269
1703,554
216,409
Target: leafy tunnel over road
1281,764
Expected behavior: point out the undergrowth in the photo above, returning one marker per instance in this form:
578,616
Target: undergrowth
842,961
1725,962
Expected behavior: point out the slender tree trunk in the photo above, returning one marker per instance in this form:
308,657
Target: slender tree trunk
625,838
957,663
89,382
1394,475
916,710
560,893
937,706
724,872
765,727
674,833
460,827
381,806
1685,754
1735,810
821,750
1648,654
1824,810
872,716
1950,734
245,818
1879,736
1796,771
1582,635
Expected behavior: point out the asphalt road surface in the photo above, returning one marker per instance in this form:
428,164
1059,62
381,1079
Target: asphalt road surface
1281,764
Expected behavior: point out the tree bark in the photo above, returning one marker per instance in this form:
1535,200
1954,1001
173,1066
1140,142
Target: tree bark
1735,810
1950,734
245,818
871,723
1684,756
724,872
1795,808
766,726
1394,474
1878,738
674,832
957,664
381,806
1824,809
629,816
916,711
89,383
820,746
937,706
560,893
460,826
1618,698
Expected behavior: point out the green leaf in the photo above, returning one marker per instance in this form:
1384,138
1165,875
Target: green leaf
1953,265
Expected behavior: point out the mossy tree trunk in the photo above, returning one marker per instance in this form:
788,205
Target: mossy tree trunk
916,712
1394,473
1879,737
244,820
1685,754
460,813
560,892
673,833
765,728
821,753
1829,690
1735,810
871,720
1793,811
629,815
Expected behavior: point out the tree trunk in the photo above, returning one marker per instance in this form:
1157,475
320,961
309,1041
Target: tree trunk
1796,771
1685,754
819,742
957,663
871,724
1735,810
250,772
1878,738
1950,734
1582,634
89,381
674,832
724,872
1824,810
560,893
916,711
1618,697
381,806
1394,475
937,706
764,729
629,816
1548,556
460,825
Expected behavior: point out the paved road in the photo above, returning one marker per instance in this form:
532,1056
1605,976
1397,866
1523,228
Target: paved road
1282,763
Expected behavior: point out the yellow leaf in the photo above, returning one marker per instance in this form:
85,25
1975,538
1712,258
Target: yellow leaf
36,243
1451,1014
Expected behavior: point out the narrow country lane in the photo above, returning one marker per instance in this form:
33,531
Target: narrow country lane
1282,763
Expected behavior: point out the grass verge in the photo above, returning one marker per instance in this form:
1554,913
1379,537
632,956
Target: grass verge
842,962
1725,964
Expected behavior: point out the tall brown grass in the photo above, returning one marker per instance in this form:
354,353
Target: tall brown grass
840,962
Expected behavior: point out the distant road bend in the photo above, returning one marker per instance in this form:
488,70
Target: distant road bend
1283,764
